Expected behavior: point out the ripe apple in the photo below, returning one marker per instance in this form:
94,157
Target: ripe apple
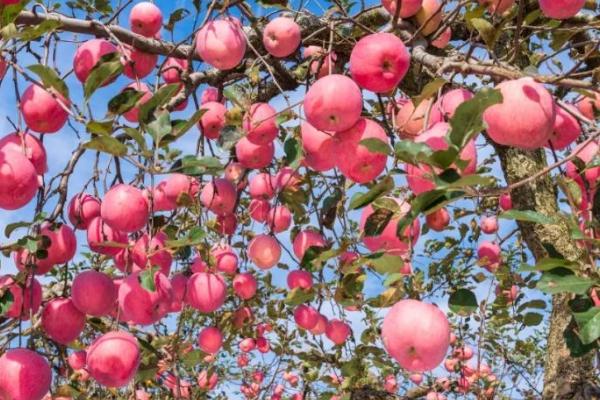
44,110
213,120
113,359
264,251
260,124
88,55
83,208
221,43
305,240
206,292
24,375
245,285
125,208
28,145
281,37
62,321
210,340
93,293
145,19
254,156
219,196
561,9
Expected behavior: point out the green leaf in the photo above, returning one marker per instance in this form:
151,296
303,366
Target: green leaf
108,68
293,152
160,98
10,228
462,302
574,344
553,283
107,144
230,135
385,263
124,101
146,278
412,152
486,30
175,17
180,129
193,238
33,32
101,128
377,221
468,117
590,332
532,319
160,127
190,165
381,188
50,79
547,264
6,302
376,145
528,216
299,296
429,91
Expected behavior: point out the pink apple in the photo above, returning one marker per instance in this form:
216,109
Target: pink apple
133,114
423,346
210,340
225,258
408,8
443,39
141,306
318,146
18,180
178,284
497,6
287,178
438,220
388,240
226,224
28,145
356,161
145,19
259,210
151,252
247,345
219,196
62,321
321,325
206,292
379,61
26,298
93,293
221,43
213,120
210,94
489,225
279,219
566,127
99,234
137,64
260,124
207,381
323,63
88,55
253,156
24,375
124,208
245,285
337,331
3,65
113,359
449,102
525,118
299,279
324,110
306,239
489,255
77,360
83,208
505,201
173,68
44,111
430,16
281,37
262,186
264,251
306,317
561,9
588,106
410,122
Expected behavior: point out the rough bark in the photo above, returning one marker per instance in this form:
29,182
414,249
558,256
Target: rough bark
565,377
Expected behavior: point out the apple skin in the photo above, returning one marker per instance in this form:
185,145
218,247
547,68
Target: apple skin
18,180
88,55
28,145
566,128
497,6
422,347
219,196
125,208
137,64
449,101
42,111
145,19
25,301
134,114
210,340
24,375
260,124
489,225
325,112
113,359
430,16
62,321
206,292
282,37
245,285
306,317
561,9
411,122
525,117
221,43
93,293
379,62
305,240
213,120
172,69
489,254
588,106
264,251
99,232
253,156
408,8
299,279
318,146
438,220
337,331
82,209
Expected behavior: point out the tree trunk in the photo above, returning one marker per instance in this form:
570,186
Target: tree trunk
565,377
